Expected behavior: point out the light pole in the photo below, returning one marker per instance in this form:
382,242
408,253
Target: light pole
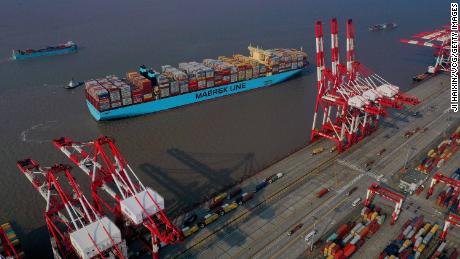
407,157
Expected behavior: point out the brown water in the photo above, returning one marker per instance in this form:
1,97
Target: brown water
190,152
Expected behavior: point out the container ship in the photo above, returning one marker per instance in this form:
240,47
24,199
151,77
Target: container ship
147,90
65,48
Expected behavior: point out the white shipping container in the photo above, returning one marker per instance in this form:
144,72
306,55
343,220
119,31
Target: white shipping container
347,238
411,234
407,230
427,238
355,240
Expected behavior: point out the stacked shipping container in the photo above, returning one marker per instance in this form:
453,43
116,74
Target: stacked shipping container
350,237
416,237
10,234
447,198
146,85
436,157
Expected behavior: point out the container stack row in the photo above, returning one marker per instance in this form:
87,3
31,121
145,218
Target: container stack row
437,156
447,198
417,237
348,238
146,85
279,60
12,238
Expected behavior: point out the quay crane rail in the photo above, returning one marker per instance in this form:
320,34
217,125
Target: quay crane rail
76,228
135,204
398,199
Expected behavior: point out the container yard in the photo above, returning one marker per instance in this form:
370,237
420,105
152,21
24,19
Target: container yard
148,90
350,237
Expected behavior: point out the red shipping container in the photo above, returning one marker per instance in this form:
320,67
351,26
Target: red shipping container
342,230
338,254
349,250
454,254
321,192
335,249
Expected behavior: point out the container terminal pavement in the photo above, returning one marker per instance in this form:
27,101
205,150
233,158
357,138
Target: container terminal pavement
259,229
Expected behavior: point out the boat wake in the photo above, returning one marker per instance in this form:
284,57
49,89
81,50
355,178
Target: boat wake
25,134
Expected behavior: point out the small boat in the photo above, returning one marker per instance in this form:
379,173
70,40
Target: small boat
72,84
421,77
383,26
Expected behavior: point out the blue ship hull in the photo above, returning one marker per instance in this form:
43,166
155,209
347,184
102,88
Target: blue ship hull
19,56
189,98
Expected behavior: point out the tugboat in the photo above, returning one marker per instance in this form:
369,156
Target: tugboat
72,84
383,26
421,77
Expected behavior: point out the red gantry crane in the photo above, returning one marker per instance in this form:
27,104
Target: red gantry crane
451,219
136,204
398,199
438,177
440,40
77,230
351,97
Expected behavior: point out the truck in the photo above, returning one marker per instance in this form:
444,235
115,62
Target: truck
261,185
322,192
188,231
274,178
226,208
245,197
234,192
351,191
317,151
208,219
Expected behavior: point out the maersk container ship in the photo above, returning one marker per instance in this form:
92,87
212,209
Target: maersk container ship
148,91
65,48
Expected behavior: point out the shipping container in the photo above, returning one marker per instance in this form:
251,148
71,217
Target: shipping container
322,192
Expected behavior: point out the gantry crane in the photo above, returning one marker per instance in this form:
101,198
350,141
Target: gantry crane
398,199
77,230
351,97
438,177
135,203
440,40
451,219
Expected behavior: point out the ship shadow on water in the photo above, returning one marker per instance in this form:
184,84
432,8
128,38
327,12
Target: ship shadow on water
32,243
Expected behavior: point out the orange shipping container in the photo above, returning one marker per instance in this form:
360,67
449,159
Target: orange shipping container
364,232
